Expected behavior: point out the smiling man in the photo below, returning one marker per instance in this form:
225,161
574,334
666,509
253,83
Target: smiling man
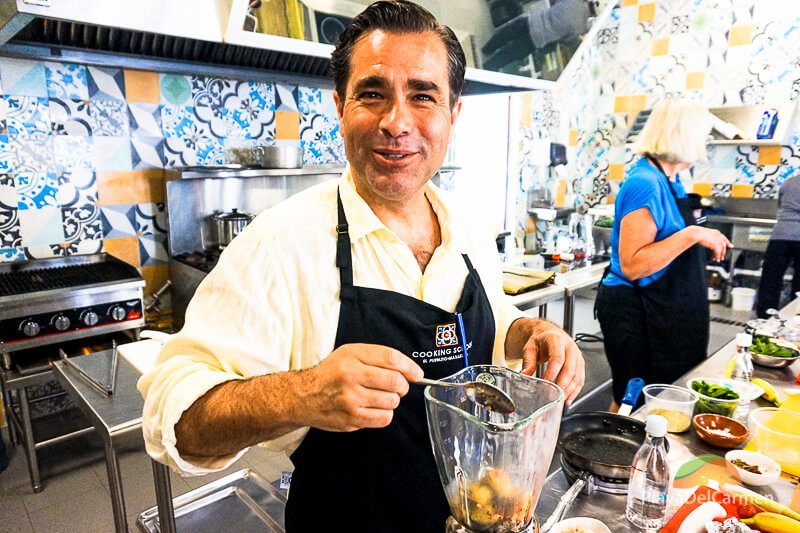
320,317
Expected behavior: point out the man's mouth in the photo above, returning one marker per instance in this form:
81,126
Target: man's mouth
392,155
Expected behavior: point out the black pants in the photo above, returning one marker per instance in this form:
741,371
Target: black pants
776,261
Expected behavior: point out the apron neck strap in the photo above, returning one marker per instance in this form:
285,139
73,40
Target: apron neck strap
344,260
657,164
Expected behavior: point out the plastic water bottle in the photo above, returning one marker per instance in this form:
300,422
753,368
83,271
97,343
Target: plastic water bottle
742,374
648,486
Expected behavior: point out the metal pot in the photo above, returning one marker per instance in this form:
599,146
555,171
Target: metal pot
229,225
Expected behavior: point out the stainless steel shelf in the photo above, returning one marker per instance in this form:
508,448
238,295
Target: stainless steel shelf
217,173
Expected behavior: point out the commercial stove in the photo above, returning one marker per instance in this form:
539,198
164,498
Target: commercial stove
74,303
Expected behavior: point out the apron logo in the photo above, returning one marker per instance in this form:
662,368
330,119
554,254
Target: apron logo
446,335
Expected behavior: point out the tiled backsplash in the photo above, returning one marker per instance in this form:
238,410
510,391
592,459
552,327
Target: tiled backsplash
722,52
83,151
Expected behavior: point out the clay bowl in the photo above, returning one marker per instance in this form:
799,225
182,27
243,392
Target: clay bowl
720,431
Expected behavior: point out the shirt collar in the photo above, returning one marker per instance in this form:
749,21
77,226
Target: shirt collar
362,220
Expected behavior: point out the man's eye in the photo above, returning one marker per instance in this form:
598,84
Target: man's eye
370,95
424,97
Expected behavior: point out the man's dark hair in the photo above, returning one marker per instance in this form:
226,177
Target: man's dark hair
397,16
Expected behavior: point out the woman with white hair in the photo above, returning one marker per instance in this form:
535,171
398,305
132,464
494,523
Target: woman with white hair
653,303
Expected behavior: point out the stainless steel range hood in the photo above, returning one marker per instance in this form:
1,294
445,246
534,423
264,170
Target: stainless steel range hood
157,34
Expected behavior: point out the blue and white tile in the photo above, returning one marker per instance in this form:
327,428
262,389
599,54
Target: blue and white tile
112,153
77,188
8,255
315,100
210,92
70,117
23,77
36,190
9,214
251,108
84,247
175,89
323,152
145,119
153,250
45,251
118,220
147,152
30,154
82,223
41,226
6,157
109,118
181,121
72,154
106,84
25,114
66,80
196,150
318,127
285,97
150,219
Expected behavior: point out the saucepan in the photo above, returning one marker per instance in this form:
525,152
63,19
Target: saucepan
229,224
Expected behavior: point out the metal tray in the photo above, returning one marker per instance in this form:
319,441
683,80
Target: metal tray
242,501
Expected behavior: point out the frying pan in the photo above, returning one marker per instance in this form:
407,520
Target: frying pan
599,444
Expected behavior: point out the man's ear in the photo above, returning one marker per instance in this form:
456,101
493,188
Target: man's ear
339,111
454,114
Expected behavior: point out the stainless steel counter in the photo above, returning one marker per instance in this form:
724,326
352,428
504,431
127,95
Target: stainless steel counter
750,221
684,446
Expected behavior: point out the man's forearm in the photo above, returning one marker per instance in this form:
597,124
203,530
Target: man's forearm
239,413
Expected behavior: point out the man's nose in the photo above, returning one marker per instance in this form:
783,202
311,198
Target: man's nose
397,118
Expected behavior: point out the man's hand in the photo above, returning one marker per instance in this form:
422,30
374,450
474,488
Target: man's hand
357,386
539,341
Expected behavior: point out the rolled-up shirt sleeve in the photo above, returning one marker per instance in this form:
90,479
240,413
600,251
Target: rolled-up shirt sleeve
238,325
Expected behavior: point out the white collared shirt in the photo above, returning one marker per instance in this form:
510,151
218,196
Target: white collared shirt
272,302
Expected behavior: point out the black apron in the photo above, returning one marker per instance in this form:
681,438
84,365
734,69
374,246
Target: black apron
385,479
672,313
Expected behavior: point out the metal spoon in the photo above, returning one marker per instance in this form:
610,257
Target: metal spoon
485,394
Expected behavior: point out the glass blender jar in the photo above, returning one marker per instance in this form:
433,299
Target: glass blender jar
492,465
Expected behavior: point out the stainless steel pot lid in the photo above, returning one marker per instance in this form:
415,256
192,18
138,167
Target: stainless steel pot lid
233,215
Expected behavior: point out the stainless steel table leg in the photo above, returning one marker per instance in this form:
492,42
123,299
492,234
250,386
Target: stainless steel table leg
543,311
27,437
12,429
115,486
166,514
569,312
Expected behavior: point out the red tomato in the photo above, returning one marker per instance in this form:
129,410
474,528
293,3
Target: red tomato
747,510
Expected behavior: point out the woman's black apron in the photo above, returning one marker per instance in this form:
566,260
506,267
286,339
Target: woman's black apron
672,313
377,480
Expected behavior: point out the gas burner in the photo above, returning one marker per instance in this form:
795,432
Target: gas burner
597,483
204,260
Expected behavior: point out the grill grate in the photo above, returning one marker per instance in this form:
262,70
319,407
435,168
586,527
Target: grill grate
63,277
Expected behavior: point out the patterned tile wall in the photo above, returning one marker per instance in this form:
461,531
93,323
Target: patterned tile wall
722,52
83,151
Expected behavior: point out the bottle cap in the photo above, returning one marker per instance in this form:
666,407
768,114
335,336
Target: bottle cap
744,340
656,425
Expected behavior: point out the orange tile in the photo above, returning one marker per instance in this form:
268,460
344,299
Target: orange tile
740,190
130,187
647,12
616,171
610,198
287,125
769,155
739,35
637,102
621,104
660,46
573,137
695,80
142,86
125,249
626,3
703,189
154,277
561,193
526,110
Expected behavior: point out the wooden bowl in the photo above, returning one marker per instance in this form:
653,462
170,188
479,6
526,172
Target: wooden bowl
720,431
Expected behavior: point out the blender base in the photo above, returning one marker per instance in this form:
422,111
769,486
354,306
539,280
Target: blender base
452,526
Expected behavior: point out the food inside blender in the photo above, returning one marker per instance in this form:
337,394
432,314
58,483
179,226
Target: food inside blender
492,504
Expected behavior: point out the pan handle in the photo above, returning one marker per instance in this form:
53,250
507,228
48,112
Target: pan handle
566,501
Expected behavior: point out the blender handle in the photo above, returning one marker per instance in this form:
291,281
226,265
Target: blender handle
566,501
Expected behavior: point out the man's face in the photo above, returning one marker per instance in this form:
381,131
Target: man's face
396,119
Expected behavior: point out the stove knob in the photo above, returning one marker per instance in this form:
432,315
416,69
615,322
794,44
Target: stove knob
118,313
90,318
61,323
30,328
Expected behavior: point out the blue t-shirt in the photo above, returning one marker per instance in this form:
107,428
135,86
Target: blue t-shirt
645,186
